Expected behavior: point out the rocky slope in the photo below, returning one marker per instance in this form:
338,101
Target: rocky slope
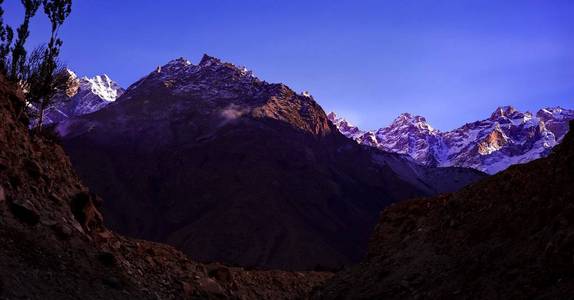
507,137
84,95
230,168
54,244
509,236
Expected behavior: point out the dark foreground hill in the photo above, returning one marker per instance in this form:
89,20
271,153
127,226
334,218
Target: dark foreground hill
230,168
53,244
509,236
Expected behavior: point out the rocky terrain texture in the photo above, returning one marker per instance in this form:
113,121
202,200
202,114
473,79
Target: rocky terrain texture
54,244
507,137
509,236
230,168
83,96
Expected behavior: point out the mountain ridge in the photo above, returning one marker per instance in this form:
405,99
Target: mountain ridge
197,149
507,137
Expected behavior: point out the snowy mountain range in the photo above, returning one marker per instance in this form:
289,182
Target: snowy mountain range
84,95
507,137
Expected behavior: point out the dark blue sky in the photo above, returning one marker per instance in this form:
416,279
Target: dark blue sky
451,61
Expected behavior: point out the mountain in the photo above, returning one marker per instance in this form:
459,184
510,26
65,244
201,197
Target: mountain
230,168
507,137
509,236
84,95
54,245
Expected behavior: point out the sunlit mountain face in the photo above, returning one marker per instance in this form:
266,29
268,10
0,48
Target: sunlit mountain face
491,145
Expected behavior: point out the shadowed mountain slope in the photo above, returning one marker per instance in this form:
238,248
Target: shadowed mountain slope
230,168
509,236
54,244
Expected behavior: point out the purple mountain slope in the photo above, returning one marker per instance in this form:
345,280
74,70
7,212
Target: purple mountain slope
230,168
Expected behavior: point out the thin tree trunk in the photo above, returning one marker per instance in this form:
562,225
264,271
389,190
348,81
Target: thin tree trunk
41,116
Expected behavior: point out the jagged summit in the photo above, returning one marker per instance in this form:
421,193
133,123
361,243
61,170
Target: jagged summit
556,119
176,63
406,115
556,112
182,74
503,111
208,60
83,95
407,119
102,86
507,137
345,127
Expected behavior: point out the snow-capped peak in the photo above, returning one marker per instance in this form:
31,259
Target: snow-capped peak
71,73
345,127
102,86
554,113
409,120
507,137
84,95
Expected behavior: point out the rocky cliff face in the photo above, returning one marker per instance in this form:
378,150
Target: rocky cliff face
509,236
507,137
230,168
54,244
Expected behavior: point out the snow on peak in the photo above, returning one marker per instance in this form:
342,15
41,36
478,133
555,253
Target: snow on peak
557,113
102,86
84,95
71,73
174,67
507,137
409,120
183,77
181,61
345,127
181,68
